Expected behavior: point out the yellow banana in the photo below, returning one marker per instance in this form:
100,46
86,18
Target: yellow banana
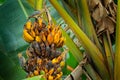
54,30
27,36
43,37
39,61
54,61
26,39
38,39
36,72
59,69
50,39
40,22
59,76
36,32
61,42
57,28
56,38
46,70
51,71
52,25
62,64
50,77
59,58
32,33
28,25
49,28
59,32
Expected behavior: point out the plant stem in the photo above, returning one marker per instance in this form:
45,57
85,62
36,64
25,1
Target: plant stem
85,41
117,50
87,23
94,75
110,45
108,55
38,4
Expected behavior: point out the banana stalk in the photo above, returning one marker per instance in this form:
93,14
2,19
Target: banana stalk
117,50
38,4
88,25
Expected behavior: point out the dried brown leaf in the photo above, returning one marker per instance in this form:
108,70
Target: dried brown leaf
92,4
99,12
103,13
77,72
106,24
112,9
106,2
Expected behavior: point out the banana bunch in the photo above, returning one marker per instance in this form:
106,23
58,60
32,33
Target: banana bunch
49,34
51,67
43,54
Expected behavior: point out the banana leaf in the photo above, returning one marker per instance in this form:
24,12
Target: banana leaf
12,20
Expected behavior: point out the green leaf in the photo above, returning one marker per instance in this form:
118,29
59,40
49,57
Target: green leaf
12,20
1,2
1,78
9,70
71,61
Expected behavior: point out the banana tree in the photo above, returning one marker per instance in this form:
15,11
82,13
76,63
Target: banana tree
88,26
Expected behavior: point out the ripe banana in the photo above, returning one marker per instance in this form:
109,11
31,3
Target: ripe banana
62,64
38,39
39,61
59,32
59,76
43,37
50,77
61,42
27,37
55,61
56,38
40,21
36,72
28,25
54,30
51,71
50,39
32,33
